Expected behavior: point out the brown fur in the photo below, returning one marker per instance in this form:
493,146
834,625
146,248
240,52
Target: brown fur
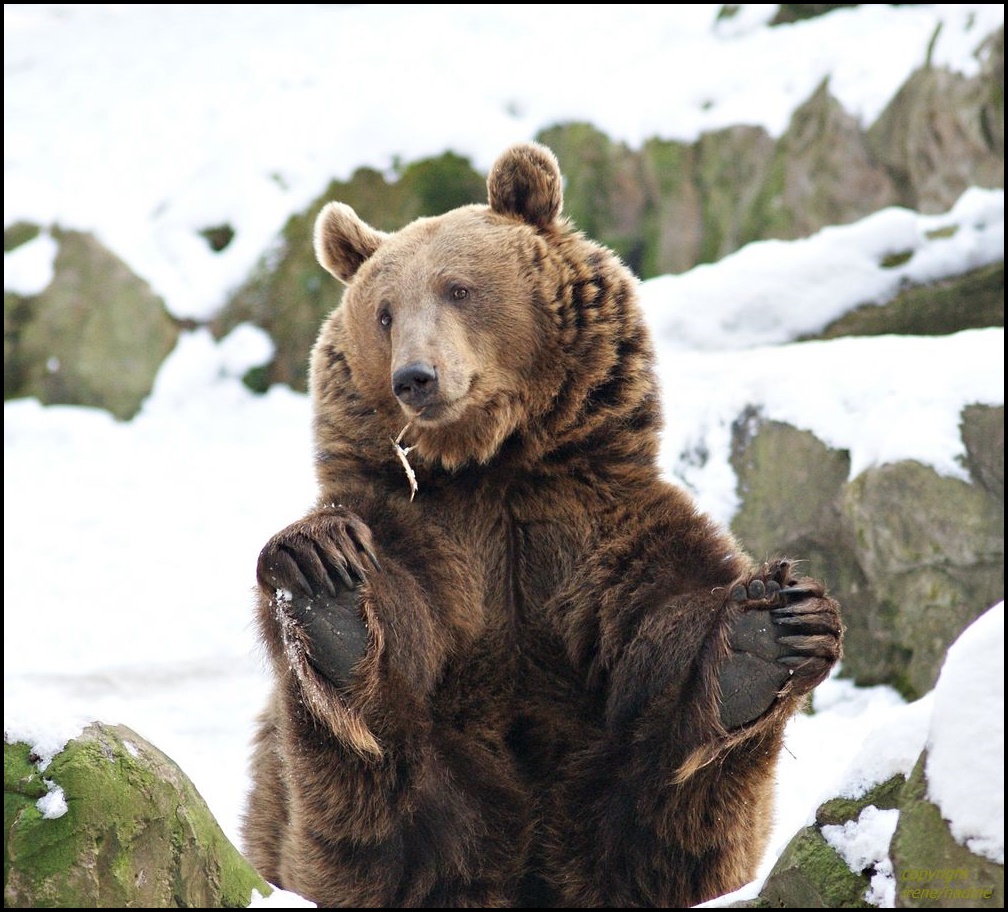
534,719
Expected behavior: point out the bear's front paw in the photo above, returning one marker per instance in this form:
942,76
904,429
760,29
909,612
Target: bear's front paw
788,633
311,573
332,630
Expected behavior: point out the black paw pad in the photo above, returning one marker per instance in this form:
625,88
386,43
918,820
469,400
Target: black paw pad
337,634
749,686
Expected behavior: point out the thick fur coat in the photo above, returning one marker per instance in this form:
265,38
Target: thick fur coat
513,665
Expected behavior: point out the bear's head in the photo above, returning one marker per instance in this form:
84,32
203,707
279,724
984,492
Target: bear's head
490,324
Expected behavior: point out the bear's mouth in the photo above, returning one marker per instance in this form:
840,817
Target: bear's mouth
439,410
435,413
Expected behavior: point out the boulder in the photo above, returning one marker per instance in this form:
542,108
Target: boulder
96,336
943,132
972,300
112,821
931,868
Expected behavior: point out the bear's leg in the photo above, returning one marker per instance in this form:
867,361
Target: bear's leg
390,801
669,801
266,820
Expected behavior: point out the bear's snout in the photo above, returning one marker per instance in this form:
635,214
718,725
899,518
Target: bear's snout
416,384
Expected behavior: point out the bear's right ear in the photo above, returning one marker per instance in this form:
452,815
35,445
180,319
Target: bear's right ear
343,242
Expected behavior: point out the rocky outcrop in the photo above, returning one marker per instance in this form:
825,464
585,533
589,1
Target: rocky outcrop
924,868
96,336
969,301
923,844
914,556
810,874
669,205
943,132
111,821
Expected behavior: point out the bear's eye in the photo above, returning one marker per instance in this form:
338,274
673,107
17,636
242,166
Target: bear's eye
384,318
459,292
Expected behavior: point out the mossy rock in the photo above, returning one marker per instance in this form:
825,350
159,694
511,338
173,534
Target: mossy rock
943,132
972,300
810,875
982,428
796,12
19,233
135,831
932,550
672,223
96,336
741,184
931,869
788,483
884,796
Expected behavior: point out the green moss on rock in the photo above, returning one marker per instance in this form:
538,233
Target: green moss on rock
972,300
433,186
931,869
810,875
135,831
19,233
884,796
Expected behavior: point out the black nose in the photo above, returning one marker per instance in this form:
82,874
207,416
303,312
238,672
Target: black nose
415,384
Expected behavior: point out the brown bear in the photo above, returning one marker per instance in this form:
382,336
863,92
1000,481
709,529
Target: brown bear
514,665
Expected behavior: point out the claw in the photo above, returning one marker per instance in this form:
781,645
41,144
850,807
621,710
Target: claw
796,592
811,624
796,642
809,611
371,556
341,569
792,661
813,645
785,619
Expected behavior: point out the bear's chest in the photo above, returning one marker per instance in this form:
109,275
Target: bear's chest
520,548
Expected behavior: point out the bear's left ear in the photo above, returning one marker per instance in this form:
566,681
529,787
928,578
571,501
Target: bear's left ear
525,182
343,241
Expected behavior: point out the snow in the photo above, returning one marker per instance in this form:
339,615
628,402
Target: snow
53,803
965,763
837,268
863,844
129,548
